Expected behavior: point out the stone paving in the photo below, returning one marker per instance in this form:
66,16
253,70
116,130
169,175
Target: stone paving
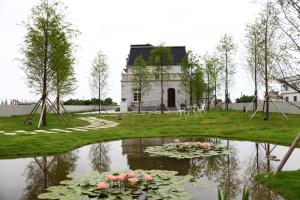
95,124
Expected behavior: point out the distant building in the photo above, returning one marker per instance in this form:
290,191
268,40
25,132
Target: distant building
288,93
174,95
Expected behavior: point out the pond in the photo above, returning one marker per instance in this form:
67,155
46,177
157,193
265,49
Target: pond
25,178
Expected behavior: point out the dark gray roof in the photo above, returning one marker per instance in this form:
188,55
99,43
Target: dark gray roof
178,53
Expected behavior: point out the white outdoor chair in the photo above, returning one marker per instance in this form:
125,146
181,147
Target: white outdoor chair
180,110
202,109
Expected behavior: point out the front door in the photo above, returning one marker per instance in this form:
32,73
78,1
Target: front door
171,97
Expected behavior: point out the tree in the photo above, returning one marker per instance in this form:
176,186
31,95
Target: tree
64,77
40,51
198,84
212,69
141,79
270,40
188,65
161,58
254,55
99,76
226,50
287,20
244,99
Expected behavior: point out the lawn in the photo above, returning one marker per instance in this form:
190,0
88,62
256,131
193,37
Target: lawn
231,125
285,183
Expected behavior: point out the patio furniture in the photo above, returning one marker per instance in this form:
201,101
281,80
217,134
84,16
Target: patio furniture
193,109
180,110
202,109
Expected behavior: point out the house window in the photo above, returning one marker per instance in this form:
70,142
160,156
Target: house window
136,95
286,87
295,98
287,99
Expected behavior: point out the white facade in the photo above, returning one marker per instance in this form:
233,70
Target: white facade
288,93
174,95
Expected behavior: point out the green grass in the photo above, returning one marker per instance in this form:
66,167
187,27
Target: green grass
231,125
14,123
285,183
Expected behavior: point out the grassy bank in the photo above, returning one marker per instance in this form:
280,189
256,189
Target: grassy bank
285,183
231,125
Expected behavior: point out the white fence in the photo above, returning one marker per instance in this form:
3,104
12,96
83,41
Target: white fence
283,106
9,110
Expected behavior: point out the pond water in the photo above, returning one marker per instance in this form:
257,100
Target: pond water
25,178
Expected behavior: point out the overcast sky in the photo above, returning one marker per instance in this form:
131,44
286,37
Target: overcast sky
113,25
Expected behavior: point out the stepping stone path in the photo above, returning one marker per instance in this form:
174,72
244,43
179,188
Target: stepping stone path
95,124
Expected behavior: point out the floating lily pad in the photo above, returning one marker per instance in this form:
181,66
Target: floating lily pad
164,185
188,150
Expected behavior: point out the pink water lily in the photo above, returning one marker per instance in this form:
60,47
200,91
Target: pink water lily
122,177
111,178
130,175
148,178
133,181
102,186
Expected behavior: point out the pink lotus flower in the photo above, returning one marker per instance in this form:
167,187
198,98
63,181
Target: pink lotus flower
111,178
130,175
133,181
102,186
122,177
148,178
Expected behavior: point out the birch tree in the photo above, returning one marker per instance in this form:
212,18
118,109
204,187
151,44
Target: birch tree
99,76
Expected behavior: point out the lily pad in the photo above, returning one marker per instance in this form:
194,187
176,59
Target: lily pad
164,185
188,150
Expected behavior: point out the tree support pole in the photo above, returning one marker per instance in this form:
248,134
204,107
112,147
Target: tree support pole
288,154
33,110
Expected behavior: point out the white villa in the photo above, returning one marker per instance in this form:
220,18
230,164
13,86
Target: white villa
174,95
288,93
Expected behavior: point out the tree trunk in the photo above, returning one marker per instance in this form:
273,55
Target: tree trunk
99,96
216,99
58,103
191,88
226,81
266,117
255,73
140,91
162,90
208,99
44,117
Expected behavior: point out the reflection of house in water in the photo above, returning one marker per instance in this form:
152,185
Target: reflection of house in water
137,159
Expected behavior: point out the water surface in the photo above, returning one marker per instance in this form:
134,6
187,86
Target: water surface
25,178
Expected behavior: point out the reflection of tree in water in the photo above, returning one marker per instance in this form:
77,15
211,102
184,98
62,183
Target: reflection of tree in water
99,157
259,163
228,177
206,167
44,172
209,166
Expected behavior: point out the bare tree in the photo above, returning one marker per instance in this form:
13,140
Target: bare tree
99,76
226,49
254,55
